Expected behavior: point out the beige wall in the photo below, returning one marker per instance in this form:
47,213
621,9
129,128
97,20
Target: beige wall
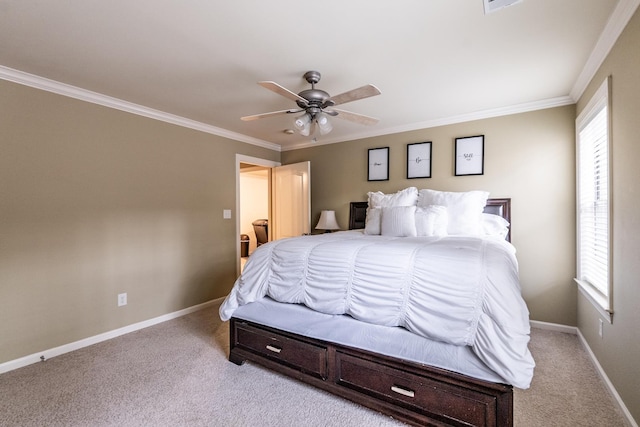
618,351
95,202
528,157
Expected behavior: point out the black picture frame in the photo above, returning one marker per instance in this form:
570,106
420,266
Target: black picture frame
419,160
469,155
378,164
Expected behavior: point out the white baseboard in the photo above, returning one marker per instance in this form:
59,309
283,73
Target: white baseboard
607,382
554,327
48,354
575,331
66,348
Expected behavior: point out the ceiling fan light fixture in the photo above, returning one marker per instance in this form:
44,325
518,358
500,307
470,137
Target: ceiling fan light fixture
306,131
303,122
324,123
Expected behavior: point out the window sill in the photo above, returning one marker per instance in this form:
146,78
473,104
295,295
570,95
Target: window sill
599,301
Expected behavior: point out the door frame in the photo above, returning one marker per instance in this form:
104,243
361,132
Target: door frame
256,161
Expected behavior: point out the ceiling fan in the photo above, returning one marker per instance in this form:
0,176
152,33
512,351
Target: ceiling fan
317,105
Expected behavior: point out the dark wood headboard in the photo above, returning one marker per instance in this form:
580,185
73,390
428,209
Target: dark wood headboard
357,215
500,207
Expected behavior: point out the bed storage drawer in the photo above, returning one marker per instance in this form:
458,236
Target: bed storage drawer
421,394
414,393
307,357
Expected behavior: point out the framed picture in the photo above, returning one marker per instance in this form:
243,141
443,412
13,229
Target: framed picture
470,155
419,160
378,167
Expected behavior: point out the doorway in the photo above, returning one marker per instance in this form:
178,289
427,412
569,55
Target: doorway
254,207
267,191
253,201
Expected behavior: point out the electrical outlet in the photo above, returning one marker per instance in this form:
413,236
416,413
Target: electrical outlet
122,299
600,328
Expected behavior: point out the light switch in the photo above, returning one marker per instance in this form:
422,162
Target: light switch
226,214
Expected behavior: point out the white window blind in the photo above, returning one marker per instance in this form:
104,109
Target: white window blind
593,199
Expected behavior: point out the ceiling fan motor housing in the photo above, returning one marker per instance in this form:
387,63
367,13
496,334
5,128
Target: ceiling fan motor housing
316,99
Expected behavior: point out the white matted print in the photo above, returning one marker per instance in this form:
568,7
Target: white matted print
378,166
419,160
470,155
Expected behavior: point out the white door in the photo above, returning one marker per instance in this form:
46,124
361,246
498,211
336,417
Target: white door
291,198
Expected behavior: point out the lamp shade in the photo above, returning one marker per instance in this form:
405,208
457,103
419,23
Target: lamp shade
328,221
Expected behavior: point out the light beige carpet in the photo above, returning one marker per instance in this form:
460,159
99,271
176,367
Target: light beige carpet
177,374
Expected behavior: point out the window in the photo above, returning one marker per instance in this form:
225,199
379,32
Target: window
594,201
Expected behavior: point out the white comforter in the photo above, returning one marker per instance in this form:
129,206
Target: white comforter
459,290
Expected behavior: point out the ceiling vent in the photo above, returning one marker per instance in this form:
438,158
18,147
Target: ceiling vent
493,5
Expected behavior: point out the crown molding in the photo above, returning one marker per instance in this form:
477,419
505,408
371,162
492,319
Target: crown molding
478,115
615,25
63,89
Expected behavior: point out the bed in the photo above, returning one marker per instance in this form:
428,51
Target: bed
451,363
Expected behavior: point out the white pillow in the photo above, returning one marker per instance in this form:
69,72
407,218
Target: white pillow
378,199
372,223
432,221
464,209
398,221
406,197
495,226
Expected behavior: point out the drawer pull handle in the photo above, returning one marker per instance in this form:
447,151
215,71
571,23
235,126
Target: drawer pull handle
274,349
403,391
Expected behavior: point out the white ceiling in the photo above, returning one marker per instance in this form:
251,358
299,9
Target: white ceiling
197,62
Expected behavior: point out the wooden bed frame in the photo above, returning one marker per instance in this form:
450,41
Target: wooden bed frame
414,393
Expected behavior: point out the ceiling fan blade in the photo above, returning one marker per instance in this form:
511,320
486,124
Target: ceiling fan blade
280,90
355,94
356,118
271,114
